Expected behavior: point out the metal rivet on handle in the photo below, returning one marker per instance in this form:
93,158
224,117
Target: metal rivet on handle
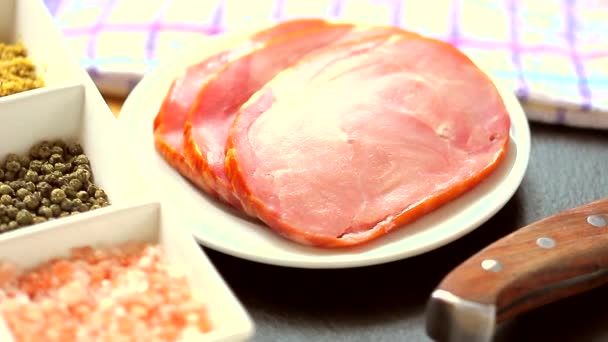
491,265
545,242
597,221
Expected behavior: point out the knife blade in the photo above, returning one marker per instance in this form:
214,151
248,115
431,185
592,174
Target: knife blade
548,260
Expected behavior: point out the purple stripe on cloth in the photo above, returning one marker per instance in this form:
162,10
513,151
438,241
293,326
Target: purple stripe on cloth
570,21
53,6
397,19
94,31
154,29
217,16
278,9
336,7
454,27
560,115
522,90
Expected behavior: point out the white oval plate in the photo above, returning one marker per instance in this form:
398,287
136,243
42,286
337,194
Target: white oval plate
218,227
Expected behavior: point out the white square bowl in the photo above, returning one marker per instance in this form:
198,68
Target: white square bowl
146,222
69,113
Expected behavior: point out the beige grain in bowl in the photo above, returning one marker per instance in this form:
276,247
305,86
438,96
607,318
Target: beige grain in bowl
133,290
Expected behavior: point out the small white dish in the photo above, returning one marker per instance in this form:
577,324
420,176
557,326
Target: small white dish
145,222
217,227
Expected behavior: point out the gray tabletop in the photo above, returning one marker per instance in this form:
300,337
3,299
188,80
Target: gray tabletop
568,167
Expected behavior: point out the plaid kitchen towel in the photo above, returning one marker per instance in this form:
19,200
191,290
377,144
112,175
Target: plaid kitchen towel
552,53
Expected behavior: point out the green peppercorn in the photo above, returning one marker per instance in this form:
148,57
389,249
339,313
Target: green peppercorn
30,186
46,169
80,160
10,176
38,219
36,166
83,208
21,193
6,200
31,202
44,188
11,157
56,209
69,192
76,202
74,148
52,179
43,150
100,194
13,166
104,203
31,176
45,201
68,167
20,205
55,158
24,160
66,204
56,149
24,217
1,174
17,184
11,212
5,219
45,211
3,227
61,167
95,207
83,175
2,210
6,190
57,196
75,184
13,225
82,195
62,182
64,214
91,189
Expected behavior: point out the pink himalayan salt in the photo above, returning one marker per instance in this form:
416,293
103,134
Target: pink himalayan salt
121,293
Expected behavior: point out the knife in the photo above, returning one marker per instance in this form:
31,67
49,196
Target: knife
548,260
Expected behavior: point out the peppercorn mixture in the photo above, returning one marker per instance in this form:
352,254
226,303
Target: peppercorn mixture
54,180
17,72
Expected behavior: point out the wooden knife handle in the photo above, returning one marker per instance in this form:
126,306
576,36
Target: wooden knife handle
548,260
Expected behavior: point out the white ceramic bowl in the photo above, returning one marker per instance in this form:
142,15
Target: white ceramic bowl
146,222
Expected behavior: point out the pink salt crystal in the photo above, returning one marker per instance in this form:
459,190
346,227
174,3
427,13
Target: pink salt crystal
8,272
112,294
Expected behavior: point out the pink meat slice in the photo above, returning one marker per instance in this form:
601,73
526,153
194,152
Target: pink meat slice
207,126
337,152
170,120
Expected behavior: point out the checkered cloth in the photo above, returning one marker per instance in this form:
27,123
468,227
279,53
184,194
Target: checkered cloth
552,53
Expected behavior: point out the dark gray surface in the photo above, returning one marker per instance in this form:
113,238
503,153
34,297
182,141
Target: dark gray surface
568,167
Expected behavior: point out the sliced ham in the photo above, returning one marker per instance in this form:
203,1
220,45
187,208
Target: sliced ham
169,122
207,126
339,151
